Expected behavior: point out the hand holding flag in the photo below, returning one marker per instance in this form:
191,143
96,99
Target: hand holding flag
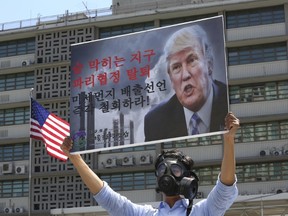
49,128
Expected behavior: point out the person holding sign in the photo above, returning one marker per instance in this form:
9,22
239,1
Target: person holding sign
199,104
175,180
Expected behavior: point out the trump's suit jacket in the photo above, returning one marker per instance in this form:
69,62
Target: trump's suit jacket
167,120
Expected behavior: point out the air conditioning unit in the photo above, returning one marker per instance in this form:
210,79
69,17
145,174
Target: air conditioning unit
276,151
8,210
199,195
20,169
111,162
285,149
25,63
19,210
145,159
279,190
7,168
265,152
128,161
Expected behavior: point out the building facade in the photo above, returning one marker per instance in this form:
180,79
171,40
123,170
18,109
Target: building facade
36,54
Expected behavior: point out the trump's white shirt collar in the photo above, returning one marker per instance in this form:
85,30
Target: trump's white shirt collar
204,113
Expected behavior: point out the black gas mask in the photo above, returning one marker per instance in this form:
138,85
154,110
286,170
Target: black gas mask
174,179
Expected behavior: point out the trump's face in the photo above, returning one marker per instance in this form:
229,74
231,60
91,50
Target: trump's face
190,73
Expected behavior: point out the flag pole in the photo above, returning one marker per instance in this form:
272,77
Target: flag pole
30,158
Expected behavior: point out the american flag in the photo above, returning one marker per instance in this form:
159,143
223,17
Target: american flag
49,128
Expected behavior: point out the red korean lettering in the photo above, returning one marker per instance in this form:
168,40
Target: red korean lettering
132,73
149,53
136,57
90,81
102,79
94,64
115,76
107,62
119,61
77,69
78,82
145,71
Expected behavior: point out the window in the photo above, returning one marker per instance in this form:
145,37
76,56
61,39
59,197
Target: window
168,22
131,181
14,152
260,132
257,53
282,88
271,90
275,170
14,188
253,17
125,29
209,140
258,92
17,47
284,130
247,133
273,131
206,176
14,116
16,81
246,173
264,131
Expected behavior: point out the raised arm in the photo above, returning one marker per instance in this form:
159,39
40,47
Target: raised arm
92,181
228,163
113,202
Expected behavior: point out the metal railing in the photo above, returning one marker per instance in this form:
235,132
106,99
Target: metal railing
67,17
91,15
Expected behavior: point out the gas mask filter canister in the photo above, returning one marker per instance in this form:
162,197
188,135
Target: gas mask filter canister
174,179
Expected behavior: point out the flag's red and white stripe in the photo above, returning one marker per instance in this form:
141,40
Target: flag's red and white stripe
52,134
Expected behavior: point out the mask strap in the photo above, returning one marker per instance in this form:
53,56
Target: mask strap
189,208
194,175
